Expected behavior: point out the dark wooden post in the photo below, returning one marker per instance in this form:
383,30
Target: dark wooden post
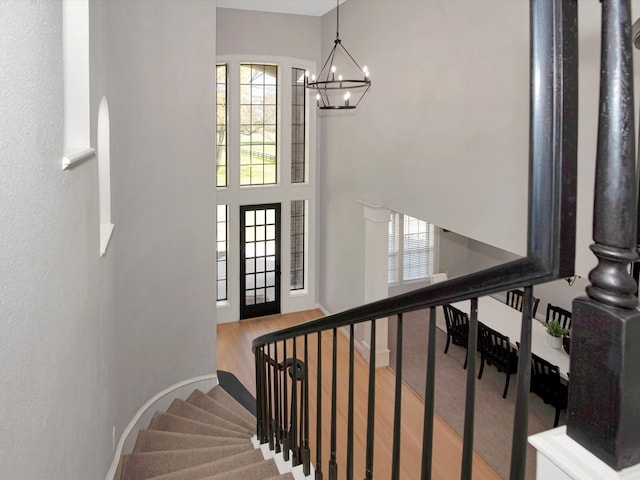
604,398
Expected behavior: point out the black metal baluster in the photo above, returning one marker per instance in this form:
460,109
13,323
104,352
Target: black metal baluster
286,446
371,403
276,389
294,407
319,411
521,417
469,406
259,394
350,407
264,365
333,465
306,453
395,466
270,409
429,399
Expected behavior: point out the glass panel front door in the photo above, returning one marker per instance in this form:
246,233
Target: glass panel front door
260,260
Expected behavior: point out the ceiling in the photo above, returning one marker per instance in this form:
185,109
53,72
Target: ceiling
297,7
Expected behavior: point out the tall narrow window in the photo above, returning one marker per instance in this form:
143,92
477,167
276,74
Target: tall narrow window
411,249
298,153
394,251
258,124
222,142
298,227
418,243
221,251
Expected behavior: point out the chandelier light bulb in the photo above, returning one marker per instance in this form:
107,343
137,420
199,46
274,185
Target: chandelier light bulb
347,96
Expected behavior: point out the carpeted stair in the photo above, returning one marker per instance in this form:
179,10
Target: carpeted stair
206,437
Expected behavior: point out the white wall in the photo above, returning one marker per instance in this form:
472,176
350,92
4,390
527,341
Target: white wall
443,133
49,307
158,72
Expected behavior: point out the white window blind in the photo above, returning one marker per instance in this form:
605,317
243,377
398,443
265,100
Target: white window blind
394,254
411,245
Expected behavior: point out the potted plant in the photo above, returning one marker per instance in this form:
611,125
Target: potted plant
555,332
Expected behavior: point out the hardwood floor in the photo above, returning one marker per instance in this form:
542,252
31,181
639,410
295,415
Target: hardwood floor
234,355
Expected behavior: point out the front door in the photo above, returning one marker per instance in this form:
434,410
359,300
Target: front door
259,260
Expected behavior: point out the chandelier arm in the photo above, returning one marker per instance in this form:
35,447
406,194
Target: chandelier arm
362,96
328,61
352,59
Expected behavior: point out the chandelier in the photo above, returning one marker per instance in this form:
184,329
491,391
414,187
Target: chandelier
342,83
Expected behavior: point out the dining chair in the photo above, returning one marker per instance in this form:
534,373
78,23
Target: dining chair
457,323
546,383
495,349
560,314
515,299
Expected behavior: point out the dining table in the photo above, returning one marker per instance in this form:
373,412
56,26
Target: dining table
508,321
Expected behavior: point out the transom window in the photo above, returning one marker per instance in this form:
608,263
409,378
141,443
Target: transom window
258,124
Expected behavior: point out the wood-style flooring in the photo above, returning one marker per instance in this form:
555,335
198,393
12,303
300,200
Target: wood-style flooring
234,355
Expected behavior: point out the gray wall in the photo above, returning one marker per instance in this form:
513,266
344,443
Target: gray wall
429,140
49,305
87,340
443,133
261,33
158,73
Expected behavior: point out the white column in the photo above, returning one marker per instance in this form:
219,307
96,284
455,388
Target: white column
561,458
375,280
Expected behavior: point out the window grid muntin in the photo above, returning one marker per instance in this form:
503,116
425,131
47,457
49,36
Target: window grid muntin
258,124
298,126
222,244
222,122
297,248
260,237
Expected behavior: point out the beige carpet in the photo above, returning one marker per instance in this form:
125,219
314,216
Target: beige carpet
493,416
206,437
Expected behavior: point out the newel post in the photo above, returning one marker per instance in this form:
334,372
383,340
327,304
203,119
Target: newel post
604,396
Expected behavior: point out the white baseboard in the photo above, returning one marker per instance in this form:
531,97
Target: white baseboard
159,402
324,311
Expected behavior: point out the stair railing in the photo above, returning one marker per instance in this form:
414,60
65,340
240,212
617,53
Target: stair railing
550,256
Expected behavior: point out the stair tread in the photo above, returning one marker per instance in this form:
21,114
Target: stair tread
221,395
140,466
156,440
175,423
254,471
215,467
206,402
184,409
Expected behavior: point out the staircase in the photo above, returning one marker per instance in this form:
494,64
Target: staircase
206,437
